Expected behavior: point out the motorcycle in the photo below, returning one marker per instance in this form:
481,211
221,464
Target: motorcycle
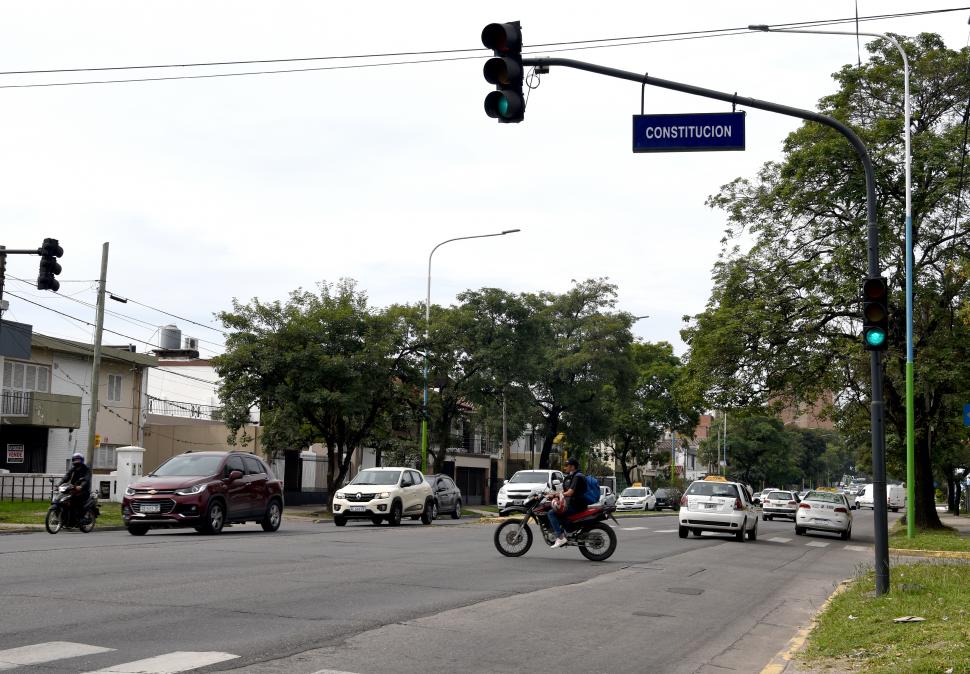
62,516
586,530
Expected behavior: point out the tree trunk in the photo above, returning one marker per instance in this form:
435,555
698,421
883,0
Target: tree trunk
552,430
926,515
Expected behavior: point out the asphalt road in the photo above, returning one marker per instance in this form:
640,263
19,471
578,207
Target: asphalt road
366,599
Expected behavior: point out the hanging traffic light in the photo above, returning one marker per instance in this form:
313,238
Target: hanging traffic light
49,267
875,313
504,70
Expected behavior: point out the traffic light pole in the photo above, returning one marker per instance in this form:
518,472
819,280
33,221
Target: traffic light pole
96,367
872,236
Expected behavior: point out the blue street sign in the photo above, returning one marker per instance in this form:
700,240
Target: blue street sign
690,132
966,414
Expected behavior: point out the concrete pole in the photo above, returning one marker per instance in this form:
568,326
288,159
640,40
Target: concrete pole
96,369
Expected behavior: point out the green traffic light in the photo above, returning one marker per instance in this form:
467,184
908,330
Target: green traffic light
875,337
503,106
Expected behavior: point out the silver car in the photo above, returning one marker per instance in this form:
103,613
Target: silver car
779,503
718,505
824,511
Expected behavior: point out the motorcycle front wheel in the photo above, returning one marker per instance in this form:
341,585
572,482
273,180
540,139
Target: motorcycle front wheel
511,541
87,522
53,523
598,543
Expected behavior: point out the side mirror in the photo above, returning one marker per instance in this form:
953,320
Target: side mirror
505,481
556,484
235,475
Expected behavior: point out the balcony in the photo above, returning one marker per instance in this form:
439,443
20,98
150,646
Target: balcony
474,444
174,408
35,408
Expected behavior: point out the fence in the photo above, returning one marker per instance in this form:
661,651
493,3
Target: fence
173,408
304,477
27,486
15,403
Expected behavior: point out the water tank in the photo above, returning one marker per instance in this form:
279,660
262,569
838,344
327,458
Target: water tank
170,338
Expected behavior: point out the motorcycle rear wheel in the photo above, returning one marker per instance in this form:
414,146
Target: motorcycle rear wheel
53,523
91,517
510,542
598,543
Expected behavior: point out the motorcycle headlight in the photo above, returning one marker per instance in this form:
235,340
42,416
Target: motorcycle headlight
188,491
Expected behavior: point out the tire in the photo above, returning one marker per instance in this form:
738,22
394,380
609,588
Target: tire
764,518
89,527
739,536
395,517
430,513
604,543
846,535
753,534
456,514
509,541
274,516
799,531
895,510
339,521
682,532
53,522
137,529
215,518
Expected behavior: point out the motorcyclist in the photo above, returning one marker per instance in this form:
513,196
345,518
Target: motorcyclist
78,475
574,489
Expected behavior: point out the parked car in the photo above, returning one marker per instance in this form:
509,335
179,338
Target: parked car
636,498
204,490
447,495
607,497
667,497
714,504
824,511
779,503
380,494
517,489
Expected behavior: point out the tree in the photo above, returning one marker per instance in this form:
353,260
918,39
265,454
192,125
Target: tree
782,321
321,368
761,451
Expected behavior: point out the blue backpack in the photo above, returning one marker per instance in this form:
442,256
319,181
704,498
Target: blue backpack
592,489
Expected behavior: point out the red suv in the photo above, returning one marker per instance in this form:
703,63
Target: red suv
205,490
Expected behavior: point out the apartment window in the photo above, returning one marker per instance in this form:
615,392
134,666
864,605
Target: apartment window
104,457
24,377
114,388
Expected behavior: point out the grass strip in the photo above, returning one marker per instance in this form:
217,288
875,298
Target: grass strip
34,512
948,539
856,633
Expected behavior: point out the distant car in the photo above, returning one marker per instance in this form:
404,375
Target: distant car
447,495
895,497
864,498
779,503
380,494
824,511
714,504
802,493
667,497
607,497
636,498
204,490
521,485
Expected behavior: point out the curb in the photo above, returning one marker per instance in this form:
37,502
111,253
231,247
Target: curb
936,554
783,658
39,528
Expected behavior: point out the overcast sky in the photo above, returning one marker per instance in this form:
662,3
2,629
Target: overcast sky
209,189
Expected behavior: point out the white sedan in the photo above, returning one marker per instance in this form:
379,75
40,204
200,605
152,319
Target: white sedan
824,511
636,498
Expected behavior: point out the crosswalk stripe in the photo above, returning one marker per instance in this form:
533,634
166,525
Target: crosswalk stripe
666,531
818,544
780,540
634,528
170,663
46,652
856,548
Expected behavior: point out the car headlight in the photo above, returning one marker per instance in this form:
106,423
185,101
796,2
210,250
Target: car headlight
384,494
339,494
129,491
188,491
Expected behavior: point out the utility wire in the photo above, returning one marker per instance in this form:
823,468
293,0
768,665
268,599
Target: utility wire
168,313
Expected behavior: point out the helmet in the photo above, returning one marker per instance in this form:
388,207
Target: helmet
77,456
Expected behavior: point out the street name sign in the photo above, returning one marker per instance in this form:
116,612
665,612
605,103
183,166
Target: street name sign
690,132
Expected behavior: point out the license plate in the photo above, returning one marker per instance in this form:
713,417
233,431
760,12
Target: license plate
517,501
151,507
357,509
710,505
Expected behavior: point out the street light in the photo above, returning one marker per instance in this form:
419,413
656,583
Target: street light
910,419
427,339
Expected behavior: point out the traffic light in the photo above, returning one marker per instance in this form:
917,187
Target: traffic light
504,70
875,313
49,267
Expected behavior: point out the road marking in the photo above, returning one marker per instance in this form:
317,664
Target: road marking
633,528
665,531
818,544
856,548
780,540
331,671
170,663
46,652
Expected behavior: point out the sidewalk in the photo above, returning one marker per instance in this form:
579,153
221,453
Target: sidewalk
959,522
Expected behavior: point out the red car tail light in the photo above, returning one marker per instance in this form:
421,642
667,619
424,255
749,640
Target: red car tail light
840,509
737,504
804,505
791,503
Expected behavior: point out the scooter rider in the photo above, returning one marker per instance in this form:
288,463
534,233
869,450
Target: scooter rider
78,475
574,489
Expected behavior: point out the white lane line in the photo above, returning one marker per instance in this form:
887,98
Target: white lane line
331,671
170,663
634,528
818,544
856,548
780,540
665,531
46,652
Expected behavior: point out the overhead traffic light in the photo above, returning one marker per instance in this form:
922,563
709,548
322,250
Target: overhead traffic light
504,70
875,313
49,267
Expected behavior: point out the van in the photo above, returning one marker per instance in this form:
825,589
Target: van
864,497
896,497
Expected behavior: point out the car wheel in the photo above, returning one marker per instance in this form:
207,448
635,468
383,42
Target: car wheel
137,529
895,510
430,513
739,536
799,531
682,532
847,534
395,518
215,518
753,534
274,516
456,515
764,518
340,521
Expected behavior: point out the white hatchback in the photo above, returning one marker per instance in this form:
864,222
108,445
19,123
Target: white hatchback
718,505
636,498
824,511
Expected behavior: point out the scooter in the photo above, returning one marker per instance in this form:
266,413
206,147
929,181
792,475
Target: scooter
586,530
62,516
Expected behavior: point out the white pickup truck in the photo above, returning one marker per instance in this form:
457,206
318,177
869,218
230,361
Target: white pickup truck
518,488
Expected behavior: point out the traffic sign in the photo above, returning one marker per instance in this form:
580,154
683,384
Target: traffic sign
966,414
690,132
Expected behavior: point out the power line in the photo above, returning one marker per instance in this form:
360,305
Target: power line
568,46
168,313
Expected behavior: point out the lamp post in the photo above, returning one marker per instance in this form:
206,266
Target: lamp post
427,339
910,418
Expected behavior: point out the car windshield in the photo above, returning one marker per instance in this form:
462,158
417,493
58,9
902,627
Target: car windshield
377,477
780,495
634,492
189,465
529,477
665,493
824,497
713,489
